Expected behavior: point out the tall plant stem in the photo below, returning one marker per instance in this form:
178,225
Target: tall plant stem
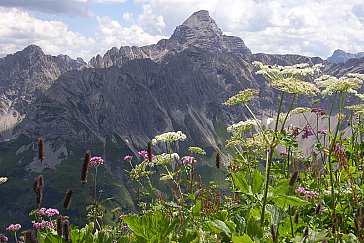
269,163
95,198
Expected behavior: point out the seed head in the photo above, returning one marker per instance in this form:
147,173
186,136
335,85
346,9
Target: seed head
85,166
150,151
319,209
293,179
66,230
60,225
29,238
41,149
218,160
68,198
297,217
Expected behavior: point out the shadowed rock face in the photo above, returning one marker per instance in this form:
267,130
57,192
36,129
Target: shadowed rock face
340,56
24,76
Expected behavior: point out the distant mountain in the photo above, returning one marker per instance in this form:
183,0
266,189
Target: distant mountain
24,76
199,30
116,103
341,56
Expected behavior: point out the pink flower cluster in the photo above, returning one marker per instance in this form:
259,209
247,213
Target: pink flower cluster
13,227
309,195
323,131
284,153
318,111
3,238
128,158
43,225
307,131
144,154
294,130
48,212
187,160
96,161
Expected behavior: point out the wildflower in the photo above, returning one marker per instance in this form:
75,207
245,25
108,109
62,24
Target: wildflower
187,160
67,199
59,225
197,150
294,130
242,97
307,131
66,230
305,233
169,137
41,149
358,109
318,111
293,179
343,84
164,158
41,211
51,212
3,180
38,189
318,209
300,190
124,228
85,166
241,126
128,158
324,131
43,225
297,217
300,110
13,227
293,86
144,154
284,153
218,160
3,238
96,161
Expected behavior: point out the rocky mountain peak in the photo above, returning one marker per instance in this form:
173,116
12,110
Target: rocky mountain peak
341,56
201,23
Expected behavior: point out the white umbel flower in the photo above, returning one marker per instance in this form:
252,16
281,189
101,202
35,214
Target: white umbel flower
169,137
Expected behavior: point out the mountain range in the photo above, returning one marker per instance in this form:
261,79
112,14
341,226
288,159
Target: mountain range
114,104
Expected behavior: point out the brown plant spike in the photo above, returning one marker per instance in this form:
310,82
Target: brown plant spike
218,160
29,238
68,198
41,149
85,165
66,230
150,151
294,178
60,225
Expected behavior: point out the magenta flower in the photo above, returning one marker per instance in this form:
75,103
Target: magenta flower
124,227
284,153
294,130
301,190
307,132
144,154
51,211
187,160
41,211
128,158
43,225
318,111
96,161
323,131
3,238
13,227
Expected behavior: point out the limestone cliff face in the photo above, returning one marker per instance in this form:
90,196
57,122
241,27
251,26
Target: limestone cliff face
24,76
199,30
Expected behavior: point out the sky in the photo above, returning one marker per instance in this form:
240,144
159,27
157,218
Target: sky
85,28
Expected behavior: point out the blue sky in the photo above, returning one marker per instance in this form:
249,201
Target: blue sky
84,28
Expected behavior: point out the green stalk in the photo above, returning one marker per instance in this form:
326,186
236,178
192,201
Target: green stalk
95,198
269,163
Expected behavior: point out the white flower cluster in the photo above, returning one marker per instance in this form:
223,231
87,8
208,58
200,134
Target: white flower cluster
163,159
242,97
241,126
169,137
276,72
343,84
3,180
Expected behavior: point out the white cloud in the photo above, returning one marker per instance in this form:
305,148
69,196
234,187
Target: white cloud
127,16
310,27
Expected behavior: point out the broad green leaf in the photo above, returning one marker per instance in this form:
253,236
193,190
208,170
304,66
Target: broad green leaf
281,187
240,181
257,181
197,208
253,229
221,215
284,201
242,239
218,226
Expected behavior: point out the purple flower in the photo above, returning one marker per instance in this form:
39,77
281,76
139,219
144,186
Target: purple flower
284,153
294,130
144,154
318,111
188,160
101,191
96,161
3,238
124,227
323,131
128,158
51,211
307,131
13,227
41,211
43,225
301,190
